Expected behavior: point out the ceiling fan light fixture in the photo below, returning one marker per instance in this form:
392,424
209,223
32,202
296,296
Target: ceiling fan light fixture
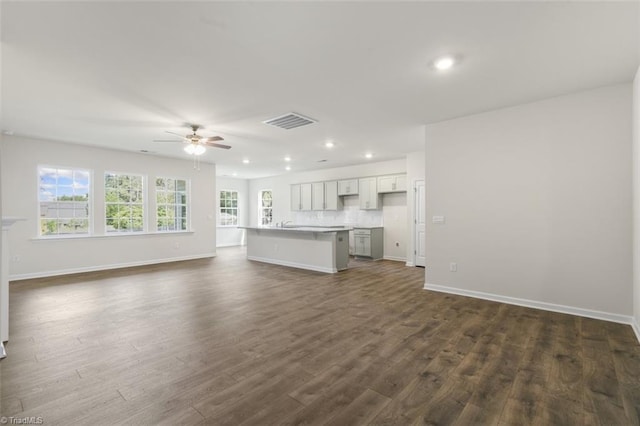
194,149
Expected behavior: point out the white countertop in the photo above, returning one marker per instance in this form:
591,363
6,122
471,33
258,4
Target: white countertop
289,228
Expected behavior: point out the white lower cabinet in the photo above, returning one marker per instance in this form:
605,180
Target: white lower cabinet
367,242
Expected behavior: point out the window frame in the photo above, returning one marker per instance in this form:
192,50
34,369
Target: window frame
90,202
237,208
187,204
261,207
144,203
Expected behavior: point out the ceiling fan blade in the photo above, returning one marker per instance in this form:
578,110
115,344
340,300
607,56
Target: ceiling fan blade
216,145
212,139
168,140
177,134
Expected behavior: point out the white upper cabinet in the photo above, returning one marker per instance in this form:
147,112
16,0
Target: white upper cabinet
327,195
331,199
305,196
392,183
317,196
296,201
348,187
368,194
301,197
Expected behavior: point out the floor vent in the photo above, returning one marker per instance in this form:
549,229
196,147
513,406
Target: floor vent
290,121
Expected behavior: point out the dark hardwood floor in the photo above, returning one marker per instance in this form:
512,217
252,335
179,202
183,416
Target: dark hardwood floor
228,341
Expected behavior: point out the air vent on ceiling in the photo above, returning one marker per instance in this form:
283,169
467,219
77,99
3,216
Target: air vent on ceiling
290,121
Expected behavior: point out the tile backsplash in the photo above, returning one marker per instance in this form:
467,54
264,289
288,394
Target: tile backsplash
349,215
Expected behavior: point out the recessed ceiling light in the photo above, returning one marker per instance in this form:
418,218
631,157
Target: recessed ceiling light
287,168
368,155
235,174
287,158
444,63
329,144
7,132
245,161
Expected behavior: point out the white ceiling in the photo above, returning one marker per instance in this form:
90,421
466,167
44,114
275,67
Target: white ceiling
120,74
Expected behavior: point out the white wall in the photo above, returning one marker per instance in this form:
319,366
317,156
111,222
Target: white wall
415,171
636,203
233,236
392,215
537,203
41,257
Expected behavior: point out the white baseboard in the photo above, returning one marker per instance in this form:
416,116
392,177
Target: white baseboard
606,316
44,274
409,263
230,245
636,328
294,264
395,258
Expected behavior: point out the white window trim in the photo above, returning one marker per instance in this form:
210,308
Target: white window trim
260,205
218,224
145,204
155,194
90,231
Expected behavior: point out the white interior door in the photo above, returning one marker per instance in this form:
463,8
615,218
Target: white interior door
420,236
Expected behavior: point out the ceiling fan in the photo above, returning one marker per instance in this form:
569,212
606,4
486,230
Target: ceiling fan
196,144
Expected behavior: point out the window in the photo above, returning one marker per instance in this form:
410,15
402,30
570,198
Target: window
124,202
228,208
265,215
63,201
171,201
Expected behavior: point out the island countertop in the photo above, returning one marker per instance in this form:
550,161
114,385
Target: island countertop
322,248
301,228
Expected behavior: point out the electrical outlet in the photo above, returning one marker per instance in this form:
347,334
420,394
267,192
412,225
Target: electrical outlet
453,267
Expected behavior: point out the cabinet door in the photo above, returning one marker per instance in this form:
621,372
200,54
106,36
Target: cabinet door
363,193
305,196
331,195
348,187
317,196
362,245
352,243
386,183
368,194
395,183
296,201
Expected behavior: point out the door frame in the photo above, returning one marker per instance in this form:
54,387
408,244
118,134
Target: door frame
411,259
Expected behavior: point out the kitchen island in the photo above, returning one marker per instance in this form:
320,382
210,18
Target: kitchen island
322,249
